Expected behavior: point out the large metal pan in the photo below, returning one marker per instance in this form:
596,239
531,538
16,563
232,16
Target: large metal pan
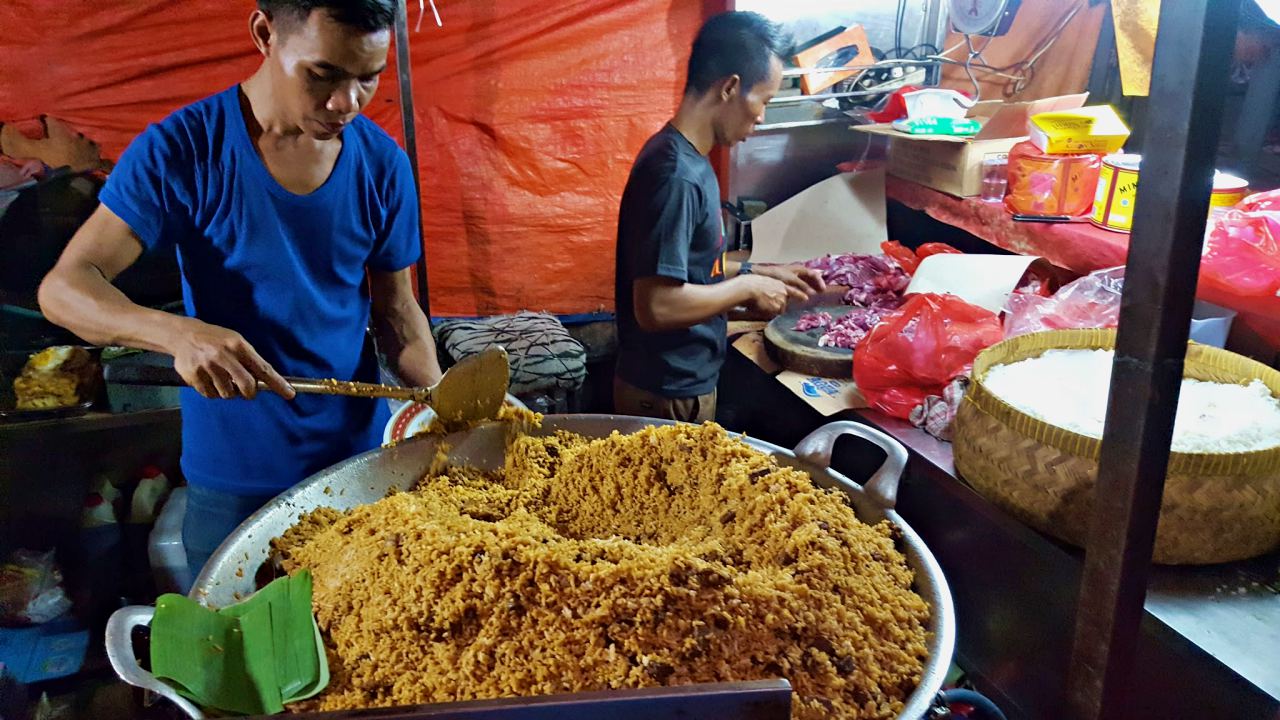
230,574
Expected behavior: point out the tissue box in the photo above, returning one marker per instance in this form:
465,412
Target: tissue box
850,48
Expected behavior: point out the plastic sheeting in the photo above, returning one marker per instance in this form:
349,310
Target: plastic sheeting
529,115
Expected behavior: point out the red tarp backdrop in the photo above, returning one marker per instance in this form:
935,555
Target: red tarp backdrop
529,114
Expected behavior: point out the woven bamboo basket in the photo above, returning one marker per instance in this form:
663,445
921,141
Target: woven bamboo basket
1217,507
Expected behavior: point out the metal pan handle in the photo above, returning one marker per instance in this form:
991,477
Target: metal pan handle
883,485
119,642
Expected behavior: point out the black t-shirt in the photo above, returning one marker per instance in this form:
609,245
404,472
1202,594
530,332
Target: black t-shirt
669,226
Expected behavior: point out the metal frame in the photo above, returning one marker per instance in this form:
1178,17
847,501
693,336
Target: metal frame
405,77
1160,278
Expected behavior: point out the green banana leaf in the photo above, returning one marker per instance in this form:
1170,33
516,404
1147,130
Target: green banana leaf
250,658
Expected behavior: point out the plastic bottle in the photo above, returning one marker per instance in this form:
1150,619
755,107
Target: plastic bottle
147,496
165,549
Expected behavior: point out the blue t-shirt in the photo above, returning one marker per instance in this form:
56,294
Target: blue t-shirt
286,271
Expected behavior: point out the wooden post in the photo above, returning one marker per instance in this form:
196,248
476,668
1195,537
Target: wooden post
1193,50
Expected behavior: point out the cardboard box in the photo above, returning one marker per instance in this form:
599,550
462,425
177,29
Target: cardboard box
843,214
953,165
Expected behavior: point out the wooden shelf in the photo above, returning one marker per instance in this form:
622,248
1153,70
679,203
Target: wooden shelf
93,421
1081,248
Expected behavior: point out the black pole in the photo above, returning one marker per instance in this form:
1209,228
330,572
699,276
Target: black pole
1188,87
405,76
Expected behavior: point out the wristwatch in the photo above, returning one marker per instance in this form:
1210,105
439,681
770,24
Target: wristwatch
744,268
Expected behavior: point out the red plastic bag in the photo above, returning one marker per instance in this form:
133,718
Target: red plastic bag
1092,301
1242,255
894,106
919,348
902,255
936,248
909,259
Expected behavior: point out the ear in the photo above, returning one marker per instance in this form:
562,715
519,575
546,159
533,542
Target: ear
262,31
730,87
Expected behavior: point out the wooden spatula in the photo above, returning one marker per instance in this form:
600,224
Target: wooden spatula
470,391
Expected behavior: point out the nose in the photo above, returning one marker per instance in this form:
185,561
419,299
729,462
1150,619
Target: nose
344,100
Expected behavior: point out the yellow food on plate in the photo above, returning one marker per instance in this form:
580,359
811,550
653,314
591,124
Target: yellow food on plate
674,555
56,377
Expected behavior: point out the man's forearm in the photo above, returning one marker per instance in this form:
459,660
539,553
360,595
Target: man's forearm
674,307
79,298
404,336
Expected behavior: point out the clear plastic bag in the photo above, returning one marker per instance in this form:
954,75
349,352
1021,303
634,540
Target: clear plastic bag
31,589
1092,301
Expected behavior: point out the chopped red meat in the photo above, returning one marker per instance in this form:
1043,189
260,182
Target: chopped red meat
876,285
812,321
848,330
860,271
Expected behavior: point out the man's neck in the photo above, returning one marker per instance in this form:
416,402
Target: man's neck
693,121
262,116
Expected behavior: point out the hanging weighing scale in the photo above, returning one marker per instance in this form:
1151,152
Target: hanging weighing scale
983,17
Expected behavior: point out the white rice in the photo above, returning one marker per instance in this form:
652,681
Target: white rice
1068,388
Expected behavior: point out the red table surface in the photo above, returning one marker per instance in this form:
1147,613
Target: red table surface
1079,247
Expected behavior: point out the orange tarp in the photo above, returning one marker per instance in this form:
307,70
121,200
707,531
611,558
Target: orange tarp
529,114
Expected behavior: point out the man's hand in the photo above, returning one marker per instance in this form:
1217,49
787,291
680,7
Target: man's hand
219,363
768,295
802,280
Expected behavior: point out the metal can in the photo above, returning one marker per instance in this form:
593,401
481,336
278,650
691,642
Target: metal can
1117,190
1227,190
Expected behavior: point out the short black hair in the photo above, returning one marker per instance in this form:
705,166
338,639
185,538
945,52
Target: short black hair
366,15
734,43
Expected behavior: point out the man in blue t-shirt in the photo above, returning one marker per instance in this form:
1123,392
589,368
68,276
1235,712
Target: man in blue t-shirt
673,282
295,222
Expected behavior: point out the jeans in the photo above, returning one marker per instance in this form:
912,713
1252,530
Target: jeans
211,516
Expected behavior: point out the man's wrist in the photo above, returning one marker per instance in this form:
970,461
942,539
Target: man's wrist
745,268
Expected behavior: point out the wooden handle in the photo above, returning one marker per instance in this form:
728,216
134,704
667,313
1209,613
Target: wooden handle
156,376
354,389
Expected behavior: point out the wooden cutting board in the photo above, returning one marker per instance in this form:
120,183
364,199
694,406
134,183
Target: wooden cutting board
799,351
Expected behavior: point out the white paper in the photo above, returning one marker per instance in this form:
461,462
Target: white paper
842,214
983,280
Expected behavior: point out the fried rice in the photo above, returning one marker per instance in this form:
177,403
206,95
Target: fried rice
674,555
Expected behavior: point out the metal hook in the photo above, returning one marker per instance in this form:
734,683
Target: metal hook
422,11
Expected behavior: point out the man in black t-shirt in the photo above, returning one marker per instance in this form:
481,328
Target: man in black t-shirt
673,283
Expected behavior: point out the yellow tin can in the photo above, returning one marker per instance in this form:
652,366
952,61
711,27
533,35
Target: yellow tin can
1117,190
1227,190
